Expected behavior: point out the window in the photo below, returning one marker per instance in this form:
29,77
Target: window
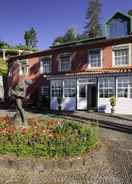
82,91
46,65
106,87
23,67
124,87
45,91
121,55
10,71
95,58
69,88
65,62
119,27
56,88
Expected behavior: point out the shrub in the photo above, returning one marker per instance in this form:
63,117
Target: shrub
113,101
47,138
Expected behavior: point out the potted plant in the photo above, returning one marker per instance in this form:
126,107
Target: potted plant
59,101
113,104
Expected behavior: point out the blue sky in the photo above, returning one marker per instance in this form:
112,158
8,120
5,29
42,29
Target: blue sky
51,18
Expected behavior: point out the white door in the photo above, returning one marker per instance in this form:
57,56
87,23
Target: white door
82,97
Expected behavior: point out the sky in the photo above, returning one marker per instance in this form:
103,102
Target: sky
50,18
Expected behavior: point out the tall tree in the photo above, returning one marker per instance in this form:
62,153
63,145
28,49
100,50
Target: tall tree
92,27
30,37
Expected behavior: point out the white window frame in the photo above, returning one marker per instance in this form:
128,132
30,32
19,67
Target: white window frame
21,73
105,88
42,68
129,87
69,88
56,86
119,47
101,58
10,72
70,61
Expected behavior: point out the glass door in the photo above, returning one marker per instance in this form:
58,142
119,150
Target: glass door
82,97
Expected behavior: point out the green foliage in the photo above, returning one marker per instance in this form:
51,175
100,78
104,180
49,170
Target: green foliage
30,37
113,101
4,45
92,27
10,48
3,67
69,36
47,138
25,47
59,40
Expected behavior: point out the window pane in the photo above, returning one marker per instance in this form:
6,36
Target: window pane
45,91
118,27
69,88
65,63
23,67
82,91
46,64
123,87
95,58
121,56
106,87
56,88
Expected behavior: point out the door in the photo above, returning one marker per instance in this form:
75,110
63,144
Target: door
92,97
82,97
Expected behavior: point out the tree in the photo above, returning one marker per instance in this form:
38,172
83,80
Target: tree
69,36
3,67
24,47
59,40
130,12
30,37
92,27
4,45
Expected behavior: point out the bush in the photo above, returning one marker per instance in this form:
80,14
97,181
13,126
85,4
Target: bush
47,138
113,101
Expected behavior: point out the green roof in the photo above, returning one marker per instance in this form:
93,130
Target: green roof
78,42
110,18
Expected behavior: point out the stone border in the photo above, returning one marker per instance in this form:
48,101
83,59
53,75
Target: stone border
39,164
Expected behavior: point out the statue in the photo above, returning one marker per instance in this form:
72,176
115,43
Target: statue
18,92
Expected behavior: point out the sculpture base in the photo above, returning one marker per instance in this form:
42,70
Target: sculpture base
17,120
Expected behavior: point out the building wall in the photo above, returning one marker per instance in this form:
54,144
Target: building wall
107,57
79,64
33,74
123,105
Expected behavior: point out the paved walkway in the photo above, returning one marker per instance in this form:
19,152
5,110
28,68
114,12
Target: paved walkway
116,122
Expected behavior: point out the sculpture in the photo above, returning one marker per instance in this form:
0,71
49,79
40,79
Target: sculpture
18,92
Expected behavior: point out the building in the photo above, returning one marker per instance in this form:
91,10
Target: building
84,73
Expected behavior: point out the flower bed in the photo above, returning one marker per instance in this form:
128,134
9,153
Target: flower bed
47,138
